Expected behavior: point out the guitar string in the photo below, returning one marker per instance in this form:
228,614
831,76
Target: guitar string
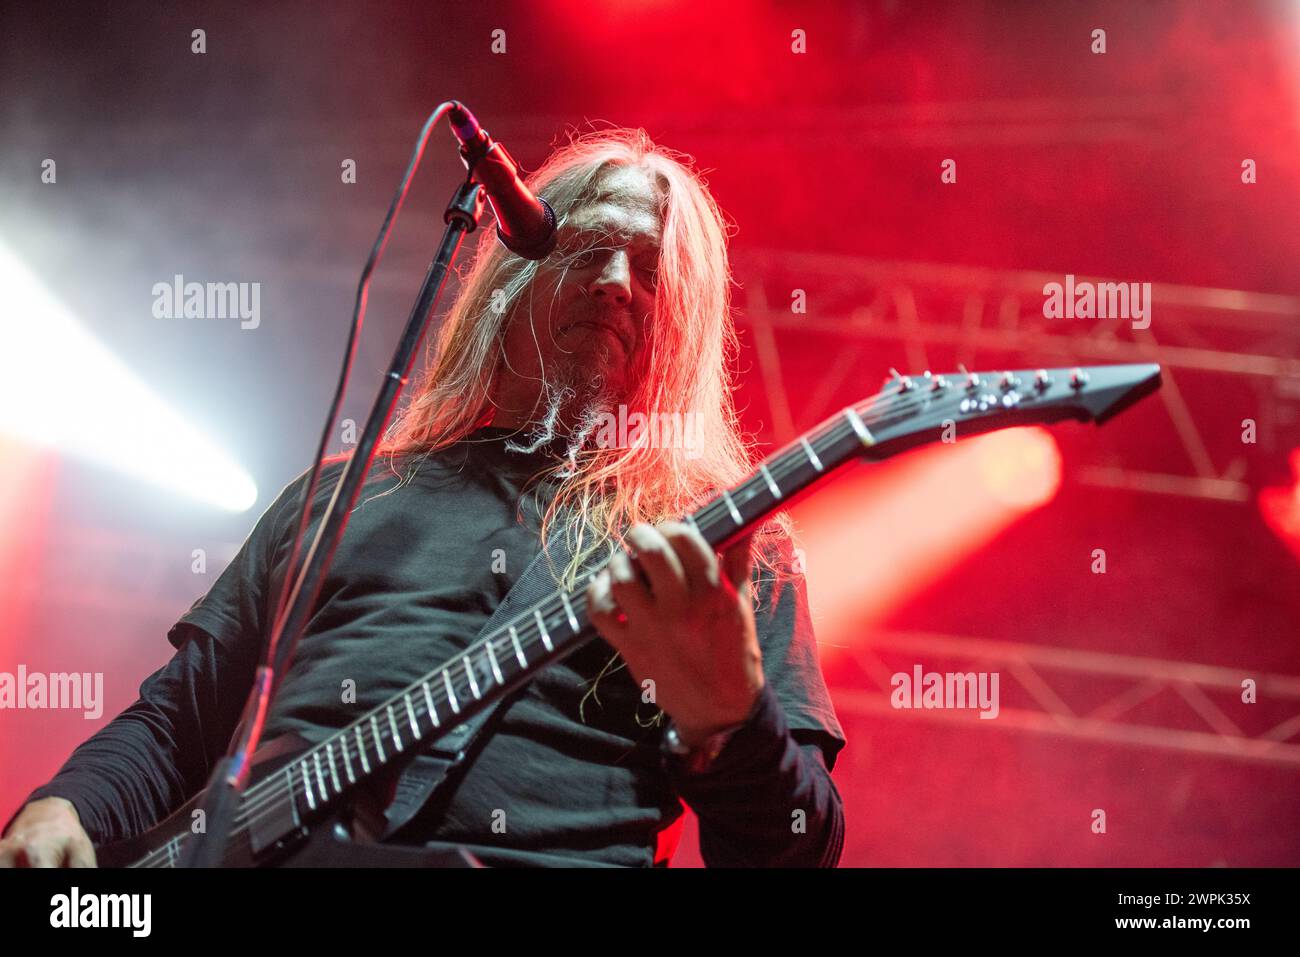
274,787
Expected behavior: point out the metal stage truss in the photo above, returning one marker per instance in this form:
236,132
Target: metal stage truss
927,308
973,312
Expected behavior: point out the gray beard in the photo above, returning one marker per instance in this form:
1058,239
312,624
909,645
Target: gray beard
571,410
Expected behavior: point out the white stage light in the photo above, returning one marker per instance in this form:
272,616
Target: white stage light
61,388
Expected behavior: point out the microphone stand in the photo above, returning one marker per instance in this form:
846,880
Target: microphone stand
221,801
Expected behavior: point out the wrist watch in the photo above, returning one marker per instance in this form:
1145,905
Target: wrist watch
700,758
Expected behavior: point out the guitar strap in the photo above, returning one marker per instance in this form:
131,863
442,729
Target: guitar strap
430,768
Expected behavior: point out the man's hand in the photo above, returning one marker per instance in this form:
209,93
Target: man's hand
47,833
691,631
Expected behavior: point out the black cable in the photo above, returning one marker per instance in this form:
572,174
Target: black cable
358,315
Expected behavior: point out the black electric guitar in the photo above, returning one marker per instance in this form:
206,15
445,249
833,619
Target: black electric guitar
298,793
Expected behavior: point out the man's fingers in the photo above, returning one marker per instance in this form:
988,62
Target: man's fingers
627,589
658,560
699,561
81,853
602,608
40,854
738,562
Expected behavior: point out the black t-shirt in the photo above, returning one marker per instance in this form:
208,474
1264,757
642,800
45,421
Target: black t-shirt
567,776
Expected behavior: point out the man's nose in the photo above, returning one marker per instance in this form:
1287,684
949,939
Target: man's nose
615,281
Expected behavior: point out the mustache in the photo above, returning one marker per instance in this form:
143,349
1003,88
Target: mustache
618,321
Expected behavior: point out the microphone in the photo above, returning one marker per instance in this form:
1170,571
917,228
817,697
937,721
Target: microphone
525,223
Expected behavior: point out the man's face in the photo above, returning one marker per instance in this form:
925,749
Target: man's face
591,303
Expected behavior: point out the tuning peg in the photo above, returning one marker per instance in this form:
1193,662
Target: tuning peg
1008,381
972,380
1078,378
904,383
1042,380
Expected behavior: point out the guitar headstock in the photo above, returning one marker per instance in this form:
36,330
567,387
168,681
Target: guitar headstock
909,410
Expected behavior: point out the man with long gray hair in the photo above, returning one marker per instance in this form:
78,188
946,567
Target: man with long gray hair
507,444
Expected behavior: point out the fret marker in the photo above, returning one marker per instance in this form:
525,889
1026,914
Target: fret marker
473,682
859,427
771,482
451,692
428,697
392,722
546,636
731,507
568,610
519,651
410,713
320,775
496,669
306,786
347,760
812,456
334,774
361,751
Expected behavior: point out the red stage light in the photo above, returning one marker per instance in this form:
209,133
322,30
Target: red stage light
1280,508
880,535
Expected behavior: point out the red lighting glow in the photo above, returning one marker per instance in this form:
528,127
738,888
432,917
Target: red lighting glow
1280,508
877,536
